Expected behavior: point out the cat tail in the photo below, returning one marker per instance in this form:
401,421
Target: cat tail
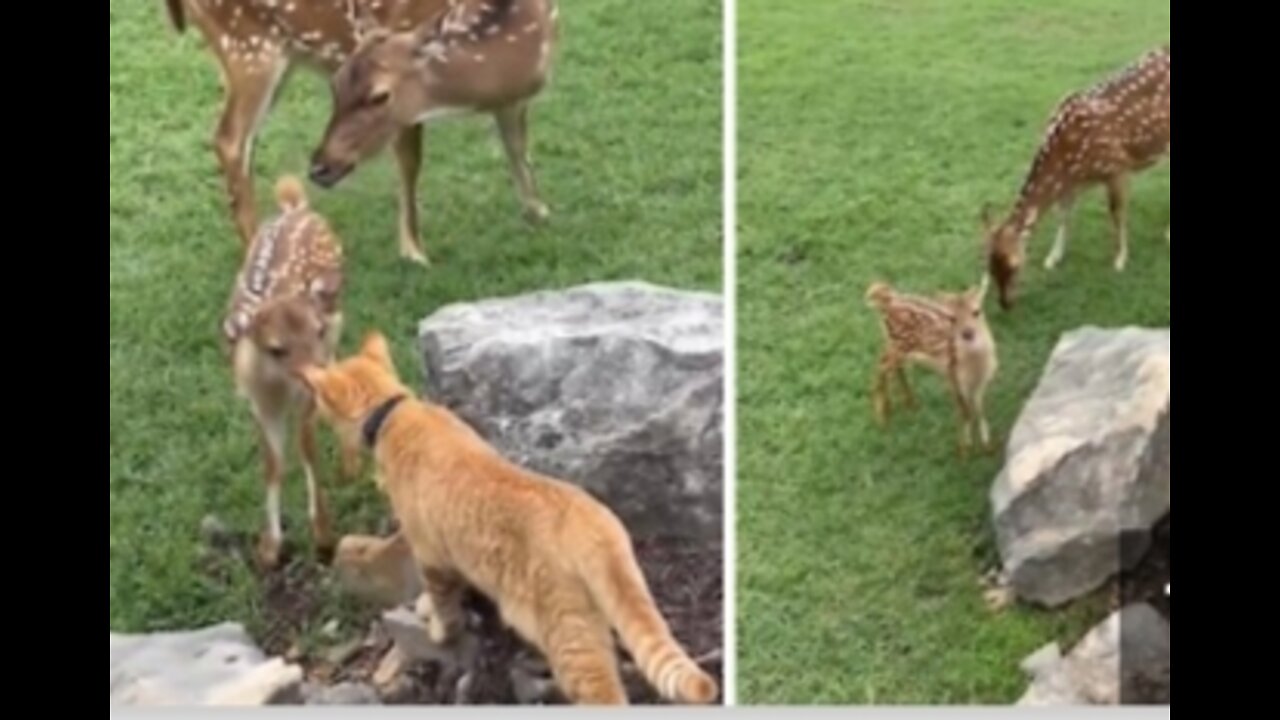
620,591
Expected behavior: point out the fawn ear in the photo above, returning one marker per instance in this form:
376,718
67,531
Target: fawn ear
325,290
376,348
983,286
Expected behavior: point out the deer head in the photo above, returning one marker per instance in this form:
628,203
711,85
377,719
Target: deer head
376,92
1005,256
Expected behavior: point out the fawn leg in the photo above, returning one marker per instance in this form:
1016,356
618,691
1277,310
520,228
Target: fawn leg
440,604
966,416
513,127
979,409
250,91
272,431
880,390
1118,202
1065,206
909,397
408,152
317,506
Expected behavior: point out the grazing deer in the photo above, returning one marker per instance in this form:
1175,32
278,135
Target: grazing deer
947,333
1102,135
284,314
481,56
256,44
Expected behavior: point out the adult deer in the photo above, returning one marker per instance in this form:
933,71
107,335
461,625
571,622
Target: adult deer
257,43
479,56
1102,135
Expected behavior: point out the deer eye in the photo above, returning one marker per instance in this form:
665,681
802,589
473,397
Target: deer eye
379,98
277,352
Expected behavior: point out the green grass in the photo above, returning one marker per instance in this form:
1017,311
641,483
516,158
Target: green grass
627,146
870,135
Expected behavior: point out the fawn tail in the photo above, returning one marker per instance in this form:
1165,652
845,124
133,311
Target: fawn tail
290,193
620,591
878,294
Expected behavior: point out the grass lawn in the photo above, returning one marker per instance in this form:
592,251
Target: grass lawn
627,145
870,135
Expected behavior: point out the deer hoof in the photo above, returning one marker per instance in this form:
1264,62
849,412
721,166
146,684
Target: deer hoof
537,213
415,256
269,552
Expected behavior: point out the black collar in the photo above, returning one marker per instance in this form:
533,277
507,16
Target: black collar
373,424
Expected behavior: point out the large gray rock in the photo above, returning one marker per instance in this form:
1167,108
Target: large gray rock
1125,660
1088,464
616,387
218,665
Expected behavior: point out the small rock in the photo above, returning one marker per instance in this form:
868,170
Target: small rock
340,654
214,533
409,633
343,694
389,668
530,688
378,570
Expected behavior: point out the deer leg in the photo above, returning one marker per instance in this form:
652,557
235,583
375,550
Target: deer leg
1060,242
250,91
513,126
317,506
272,431
1118,202
408,152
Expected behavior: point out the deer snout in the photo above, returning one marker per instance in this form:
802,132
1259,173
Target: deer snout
327,173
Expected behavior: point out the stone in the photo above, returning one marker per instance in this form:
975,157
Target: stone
617,387
379,570
1125,660
216,665
348,693
1087,465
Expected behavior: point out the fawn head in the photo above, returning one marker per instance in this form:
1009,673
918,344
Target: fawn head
291,332
1005,256
970,321
376,92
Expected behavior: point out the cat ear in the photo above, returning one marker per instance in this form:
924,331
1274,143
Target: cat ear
375,348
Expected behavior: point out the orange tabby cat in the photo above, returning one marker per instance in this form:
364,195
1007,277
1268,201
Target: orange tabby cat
558,564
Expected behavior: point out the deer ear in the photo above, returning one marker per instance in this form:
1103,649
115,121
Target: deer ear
375,348
983,286
987,218
363,21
